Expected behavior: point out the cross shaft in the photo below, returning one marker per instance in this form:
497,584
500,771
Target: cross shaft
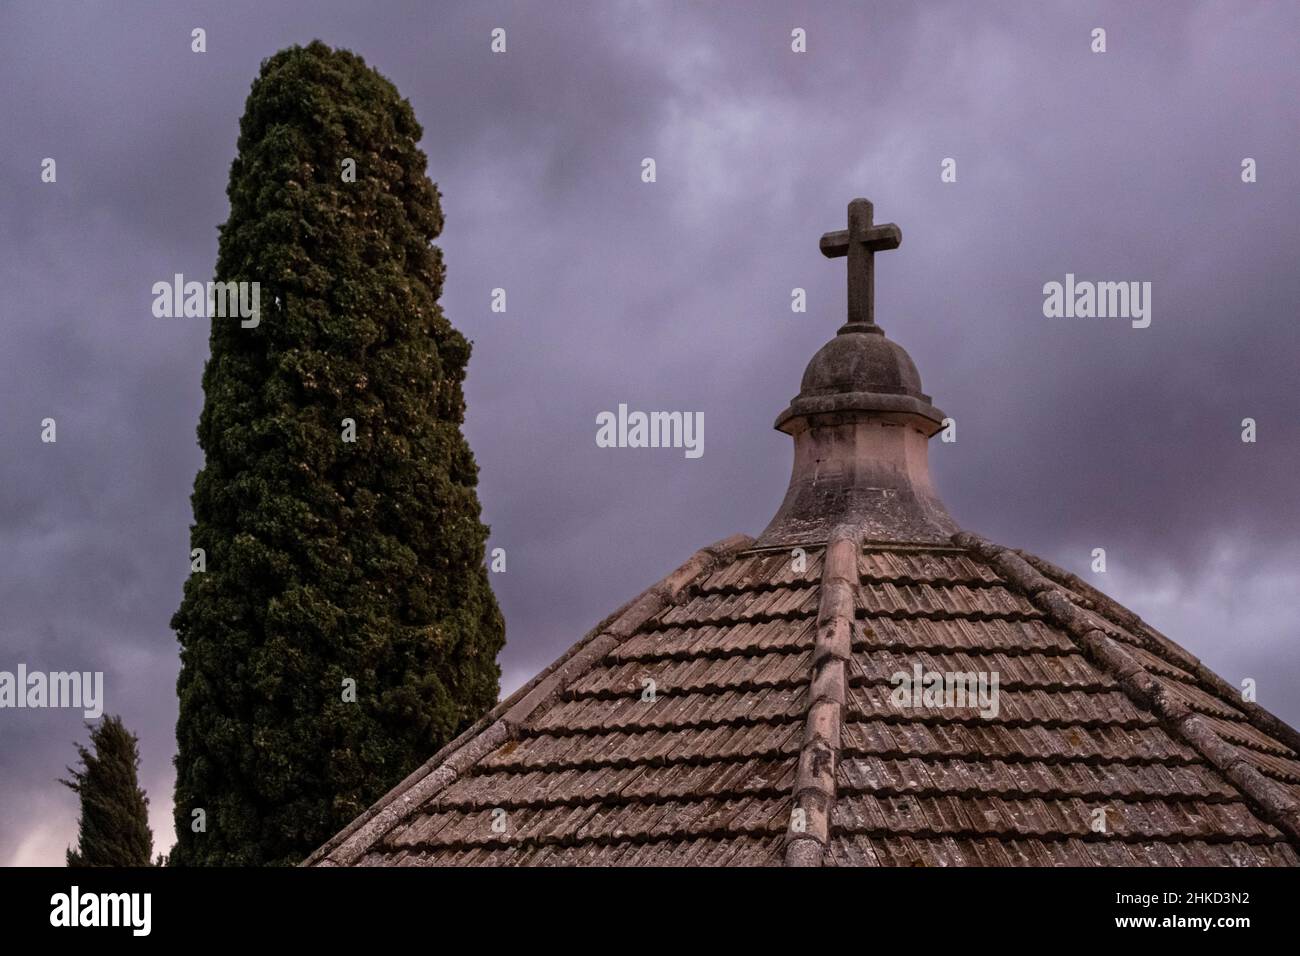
859,243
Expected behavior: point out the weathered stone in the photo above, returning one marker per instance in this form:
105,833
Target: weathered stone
861,424
860,243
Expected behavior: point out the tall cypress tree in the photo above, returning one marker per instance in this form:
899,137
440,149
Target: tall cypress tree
327,560
114,825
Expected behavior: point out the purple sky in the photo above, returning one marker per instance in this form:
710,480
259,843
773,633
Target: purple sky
1072,433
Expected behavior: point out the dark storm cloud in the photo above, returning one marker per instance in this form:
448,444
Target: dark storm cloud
1072,434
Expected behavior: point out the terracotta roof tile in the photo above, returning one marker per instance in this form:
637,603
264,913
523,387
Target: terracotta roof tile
716,641
1240,732
1017,707
777,669
1041,817
859,850
747,606
622,748
1003,778
924,567
740,850
924,600
988,739
676,710
1285,769
770,569
1008,636
770,776
1015,671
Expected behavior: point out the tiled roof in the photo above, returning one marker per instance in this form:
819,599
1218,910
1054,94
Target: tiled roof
768,735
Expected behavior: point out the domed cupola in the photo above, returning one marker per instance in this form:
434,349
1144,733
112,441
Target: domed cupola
861,423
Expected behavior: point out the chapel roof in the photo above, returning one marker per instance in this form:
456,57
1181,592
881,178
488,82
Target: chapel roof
771,735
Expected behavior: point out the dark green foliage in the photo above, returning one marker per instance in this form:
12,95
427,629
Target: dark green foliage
114,826
328,560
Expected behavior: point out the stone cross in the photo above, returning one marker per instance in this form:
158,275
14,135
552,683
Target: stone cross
860,242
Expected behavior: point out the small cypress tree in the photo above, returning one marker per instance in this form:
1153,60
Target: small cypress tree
114,826
328,560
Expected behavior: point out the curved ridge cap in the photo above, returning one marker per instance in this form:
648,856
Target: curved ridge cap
1259,717
808,834
501,723
1267,797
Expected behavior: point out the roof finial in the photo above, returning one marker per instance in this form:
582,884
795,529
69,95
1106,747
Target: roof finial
860,242
860,423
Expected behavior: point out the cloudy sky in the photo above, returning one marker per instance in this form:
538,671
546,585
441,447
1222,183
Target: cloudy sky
1072,433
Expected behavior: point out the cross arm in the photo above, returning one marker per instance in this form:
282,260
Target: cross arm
878,238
